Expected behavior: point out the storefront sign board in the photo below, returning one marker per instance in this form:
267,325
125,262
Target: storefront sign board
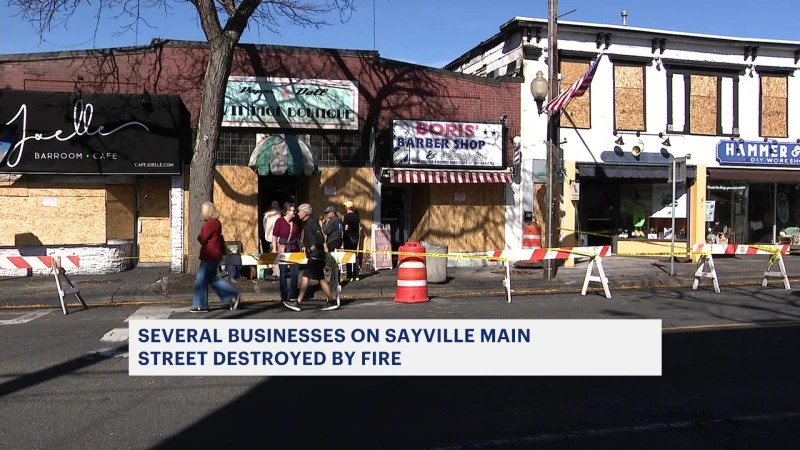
382,241
291,103
447,144
759,153
73,133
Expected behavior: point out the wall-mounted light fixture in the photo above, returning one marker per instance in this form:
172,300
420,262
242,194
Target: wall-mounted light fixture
666,142
539,90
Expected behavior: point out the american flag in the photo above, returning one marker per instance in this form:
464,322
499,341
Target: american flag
577,89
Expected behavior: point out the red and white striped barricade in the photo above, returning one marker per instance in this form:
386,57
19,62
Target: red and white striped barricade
595,255
37,262
335,259
706,252
56,265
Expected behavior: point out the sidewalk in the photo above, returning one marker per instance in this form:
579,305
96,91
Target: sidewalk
159,285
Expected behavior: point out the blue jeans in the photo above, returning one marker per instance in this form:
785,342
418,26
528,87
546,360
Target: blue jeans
207,274
289,292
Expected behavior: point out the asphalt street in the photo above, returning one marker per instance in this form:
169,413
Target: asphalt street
729,381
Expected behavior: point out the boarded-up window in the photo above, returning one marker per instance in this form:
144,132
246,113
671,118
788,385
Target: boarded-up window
774,114
629,97
703,105
577,114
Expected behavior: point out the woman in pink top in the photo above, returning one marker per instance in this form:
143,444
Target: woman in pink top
286,239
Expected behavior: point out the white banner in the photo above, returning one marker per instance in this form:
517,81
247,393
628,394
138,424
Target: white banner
395,347
447,144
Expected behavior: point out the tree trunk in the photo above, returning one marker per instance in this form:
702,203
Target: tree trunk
201,175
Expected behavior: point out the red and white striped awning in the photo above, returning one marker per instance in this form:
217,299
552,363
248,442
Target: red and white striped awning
448,176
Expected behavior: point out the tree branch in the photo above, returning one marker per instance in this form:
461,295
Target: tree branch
209,20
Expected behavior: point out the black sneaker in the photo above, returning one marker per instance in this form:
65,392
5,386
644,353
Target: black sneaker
292,304
329,305
235,302
196,309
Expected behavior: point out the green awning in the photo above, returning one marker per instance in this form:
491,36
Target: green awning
280,154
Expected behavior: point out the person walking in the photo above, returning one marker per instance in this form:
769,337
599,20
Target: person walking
352,229
270,217
332,227
286,239
212,247
313,245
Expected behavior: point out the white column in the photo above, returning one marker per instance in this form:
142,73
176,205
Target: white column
176,223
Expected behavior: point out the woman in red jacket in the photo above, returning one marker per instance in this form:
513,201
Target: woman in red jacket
211,251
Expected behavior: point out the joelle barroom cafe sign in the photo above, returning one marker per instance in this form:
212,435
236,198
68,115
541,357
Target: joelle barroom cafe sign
447,144
69,134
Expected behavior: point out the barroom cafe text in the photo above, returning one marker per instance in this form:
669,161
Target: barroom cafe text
81,122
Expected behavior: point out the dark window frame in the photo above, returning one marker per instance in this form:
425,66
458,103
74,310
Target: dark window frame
719,73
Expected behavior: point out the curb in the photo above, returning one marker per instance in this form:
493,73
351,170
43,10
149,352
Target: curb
165,299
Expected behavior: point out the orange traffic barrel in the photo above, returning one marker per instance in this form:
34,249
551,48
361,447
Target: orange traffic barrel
412,277
531,236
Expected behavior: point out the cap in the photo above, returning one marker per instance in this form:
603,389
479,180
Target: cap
330,209
348,204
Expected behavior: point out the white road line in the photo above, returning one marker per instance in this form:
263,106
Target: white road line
143,313
612,431
116,335
27,317
154,313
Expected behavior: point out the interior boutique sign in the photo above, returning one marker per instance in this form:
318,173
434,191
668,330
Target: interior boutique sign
758,153
447,144
290,103
71,133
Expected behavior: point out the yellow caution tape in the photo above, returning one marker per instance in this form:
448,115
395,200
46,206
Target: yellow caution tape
433,255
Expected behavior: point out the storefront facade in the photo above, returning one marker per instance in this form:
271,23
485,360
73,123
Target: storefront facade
92,175
655,96
300,124
444,182
753,193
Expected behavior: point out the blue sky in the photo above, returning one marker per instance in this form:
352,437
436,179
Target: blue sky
429,32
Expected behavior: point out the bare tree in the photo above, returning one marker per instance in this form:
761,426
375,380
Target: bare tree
237,15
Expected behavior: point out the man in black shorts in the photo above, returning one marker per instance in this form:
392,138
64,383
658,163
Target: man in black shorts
313,243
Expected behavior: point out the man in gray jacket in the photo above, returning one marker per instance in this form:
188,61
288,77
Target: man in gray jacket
332,227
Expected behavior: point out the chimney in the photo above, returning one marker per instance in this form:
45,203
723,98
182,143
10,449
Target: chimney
624,18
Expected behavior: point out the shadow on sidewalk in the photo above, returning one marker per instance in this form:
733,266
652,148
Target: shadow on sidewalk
51,373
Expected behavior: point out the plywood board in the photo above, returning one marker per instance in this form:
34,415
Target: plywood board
76,219
629,97
774,90
703,105
120,211
155,239
577,114
236,199
476,224
353,184
774,86
773,117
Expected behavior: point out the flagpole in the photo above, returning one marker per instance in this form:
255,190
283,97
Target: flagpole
552,136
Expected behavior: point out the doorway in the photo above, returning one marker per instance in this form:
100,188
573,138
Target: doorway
272,188
394,212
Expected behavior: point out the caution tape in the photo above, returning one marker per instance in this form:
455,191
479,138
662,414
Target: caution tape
433,255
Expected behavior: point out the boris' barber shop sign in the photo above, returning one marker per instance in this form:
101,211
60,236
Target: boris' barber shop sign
76,133
447,144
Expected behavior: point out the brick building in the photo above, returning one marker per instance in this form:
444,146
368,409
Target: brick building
326,125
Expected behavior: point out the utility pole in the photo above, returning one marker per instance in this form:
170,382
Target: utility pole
553,164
